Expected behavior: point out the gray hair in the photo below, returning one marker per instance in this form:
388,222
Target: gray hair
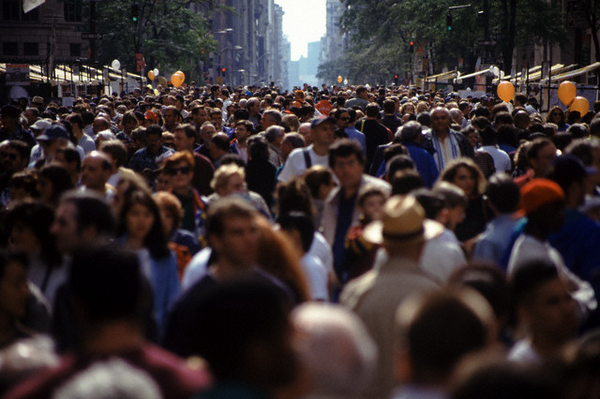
337,350
410,131
273,132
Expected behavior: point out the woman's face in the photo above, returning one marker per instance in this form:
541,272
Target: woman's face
473,138
181,175
22,238
235,184
14,291
556,115
465,180
45,189
139,221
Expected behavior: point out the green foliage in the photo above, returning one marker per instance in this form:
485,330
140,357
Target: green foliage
175,34
376,27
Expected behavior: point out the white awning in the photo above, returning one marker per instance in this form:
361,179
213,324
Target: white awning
576,72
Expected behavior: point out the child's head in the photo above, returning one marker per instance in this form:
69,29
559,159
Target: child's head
456,203
370,203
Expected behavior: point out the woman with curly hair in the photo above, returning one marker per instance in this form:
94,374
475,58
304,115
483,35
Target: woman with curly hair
465,174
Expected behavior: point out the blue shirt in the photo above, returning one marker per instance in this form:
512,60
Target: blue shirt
344,220
495,239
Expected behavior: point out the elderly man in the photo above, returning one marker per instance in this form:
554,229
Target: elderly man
96,169
336,350
444,143
375,296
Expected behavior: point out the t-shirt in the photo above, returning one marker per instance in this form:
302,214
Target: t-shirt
296,163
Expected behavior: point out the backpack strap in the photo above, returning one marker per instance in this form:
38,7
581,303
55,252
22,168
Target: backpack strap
307,159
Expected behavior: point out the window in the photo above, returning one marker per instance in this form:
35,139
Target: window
73,10
75,50
10,48
12,11
30,49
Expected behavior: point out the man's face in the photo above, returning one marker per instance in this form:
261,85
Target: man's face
30,116
235,184
323,134
552,311
254,107
265,122
348,171
207,134
217,120
239,241
241,133
169,117
440,121
153,143
182,142
93,176
11,160
545,156
200,117
65,228
306,132
343,121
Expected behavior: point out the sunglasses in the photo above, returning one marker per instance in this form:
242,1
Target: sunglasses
184,170
345,118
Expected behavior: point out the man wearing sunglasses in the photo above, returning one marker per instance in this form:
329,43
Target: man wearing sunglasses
345,123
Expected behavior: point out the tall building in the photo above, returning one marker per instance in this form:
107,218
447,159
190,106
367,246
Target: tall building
251,44
50,33
335,42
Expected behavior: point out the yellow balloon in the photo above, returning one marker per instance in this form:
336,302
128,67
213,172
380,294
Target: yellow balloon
567,92
176,79
151,75
580,104
339,79
506,91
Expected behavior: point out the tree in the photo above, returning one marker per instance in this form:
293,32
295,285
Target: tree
174,34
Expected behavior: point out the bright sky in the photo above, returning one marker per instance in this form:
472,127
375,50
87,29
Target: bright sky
303,23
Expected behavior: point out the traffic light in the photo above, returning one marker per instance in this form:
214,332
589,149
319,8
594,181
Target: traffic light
449,21
223,70
396,79
135,12
411,47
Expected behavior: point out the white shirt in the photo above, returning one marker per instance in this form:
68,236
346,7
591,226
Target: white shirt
296,164
316,275
442,255
501,158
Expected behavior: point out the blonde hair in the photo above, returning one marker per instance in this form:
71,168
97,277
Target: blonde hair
223,174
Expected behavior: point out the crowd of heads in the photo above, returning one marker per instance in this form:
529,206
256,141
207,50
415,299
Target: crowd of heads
331,242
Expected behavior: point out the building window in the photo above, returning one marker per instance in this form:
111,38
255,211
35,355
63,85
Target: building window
31,49
75,49
73,10
10,48
12,11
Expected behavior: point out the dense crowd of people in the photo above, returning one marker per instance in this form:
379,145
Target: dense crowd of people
333,242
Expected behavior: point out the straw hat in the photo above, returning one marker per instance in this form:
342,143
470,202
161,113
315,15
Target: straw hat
402,222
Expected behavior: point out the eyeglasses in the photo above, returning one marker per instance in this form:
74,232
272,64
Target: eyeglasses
345,118
184,170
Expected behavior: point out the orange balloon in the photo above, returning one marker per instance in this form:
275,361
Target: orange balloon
506,91
182,75
580,104
151,75
176,79
339,79
567,92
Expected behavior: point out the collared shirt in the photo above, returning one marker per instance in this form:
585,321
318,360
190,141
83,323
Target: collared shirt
445,150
